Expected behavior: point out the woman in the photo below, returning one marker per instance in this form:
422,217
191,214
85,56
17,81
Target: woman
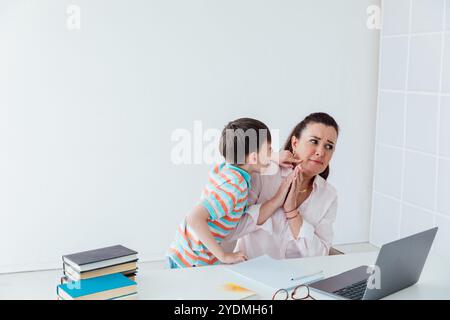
303,225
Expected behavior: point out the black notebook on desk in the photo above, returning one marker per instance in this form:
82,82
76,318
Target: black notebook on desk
100,258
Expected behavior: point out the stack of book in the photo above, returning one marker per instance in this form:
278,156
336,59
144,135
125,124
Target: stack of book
106,273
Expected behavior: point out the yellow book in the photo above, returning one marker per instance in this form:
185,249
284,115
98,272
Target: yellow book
236,292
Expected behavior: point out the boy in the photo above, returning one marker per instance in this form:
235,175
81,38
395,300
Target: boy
246,146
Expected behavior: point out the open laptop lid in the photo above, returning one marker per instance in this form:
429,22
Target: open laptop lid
399,264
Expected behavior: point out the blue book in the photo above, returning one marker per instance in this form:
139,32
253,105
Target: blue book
101,288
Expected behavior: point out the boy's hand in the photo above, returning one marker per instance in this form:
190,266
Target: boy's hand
286,159
234,257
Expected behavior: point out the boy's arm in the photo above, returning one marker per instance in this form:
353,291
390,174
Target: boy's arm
266,210
269,207
260,213
198,221
256,215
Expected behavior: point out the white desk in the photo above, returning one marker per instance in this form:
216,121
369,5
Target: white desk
202,283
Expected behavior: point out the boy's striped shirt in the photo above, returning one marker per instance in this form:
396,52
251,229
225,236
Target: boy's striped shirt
225,197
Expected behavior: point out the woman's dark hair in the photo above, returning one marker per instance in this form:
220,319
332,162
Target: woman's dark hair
318,117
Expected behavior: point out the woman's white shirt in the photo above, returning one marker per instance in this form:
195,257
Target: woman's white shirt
275,237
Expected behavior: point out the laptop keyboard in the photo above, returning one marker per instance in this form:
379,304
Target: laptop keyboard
354,291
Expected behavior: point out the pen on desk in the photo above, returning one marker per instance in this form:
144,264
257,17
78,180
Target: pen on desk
306,276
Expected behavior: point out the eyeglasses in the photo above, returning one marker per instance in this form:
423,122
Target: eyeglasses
300,292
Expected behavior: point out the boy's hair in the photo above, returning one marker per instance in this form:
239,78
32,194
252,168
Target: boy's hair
241,137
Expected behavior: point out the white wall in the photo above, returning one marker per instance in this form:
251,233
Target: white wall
86,116
412,170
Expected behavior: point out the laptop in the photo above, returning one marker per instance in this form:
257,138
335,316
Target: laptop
398,266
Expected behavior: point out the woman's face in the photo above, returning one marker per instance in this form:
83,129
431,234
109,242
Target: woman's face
315,147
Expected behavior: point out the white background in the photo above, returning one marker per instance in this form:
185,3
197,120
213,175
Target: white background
412,163
86,116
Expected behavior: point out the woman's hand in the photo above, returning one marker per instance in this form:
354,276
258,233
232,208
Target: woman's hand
291,200
279,197
286,159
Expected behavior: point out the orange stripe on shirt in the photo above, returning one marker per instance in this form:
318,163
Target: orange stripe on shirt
213,260
230,219
222,204
217,235
191,237
214,183
242,199
221,226
227,180
194,257
202,251
179,256
188,237
240,178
